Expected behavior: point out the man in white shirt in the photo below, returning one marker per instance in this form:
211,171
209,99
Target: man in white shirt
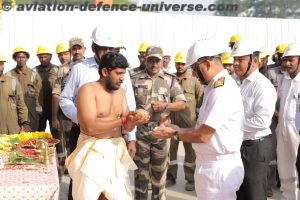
218,135
86,72
287,133
259,98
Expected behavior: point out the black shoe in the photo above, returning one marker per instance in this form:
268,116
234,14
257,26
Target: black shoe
170,181
190,186
270,192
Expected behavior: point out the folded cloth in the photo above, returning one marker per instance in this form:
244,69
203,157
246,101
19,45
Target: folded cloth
100,166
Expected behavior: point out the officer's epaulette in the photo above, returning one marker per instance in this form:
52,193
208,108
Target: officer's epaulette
219,82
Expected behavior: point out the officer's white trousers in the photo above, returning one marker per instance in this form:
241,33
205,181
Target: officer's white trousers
218,177
287,148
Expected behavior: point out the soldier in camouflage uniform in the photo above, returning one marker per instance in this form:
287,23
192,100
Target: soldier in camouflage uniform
48,73
61,125
14,113
31,84
142,57
159,93
186,118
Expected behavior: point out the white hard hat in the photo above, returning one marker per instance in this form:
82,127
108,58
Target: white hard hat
202,48
292,50
245,46
101,39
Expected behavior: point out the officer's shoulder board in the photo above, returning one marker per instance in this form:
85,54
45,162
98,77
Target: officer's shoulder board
220,82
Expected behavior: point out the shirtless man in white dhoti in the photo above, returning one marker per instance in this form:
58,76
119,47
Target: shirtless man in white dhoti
99,165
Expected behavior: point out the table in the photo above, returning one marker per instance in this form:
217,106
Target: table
29,182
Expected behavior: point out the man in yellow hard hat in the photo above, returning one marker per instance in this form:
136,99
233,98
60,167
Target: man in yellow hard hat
63,53
48,73
14,113
193,92
276,70
263,61
142,58
234,39
61,125
227,62
31,84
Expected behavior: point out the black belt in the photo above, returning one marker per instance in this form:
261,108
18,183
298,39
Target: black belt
251,142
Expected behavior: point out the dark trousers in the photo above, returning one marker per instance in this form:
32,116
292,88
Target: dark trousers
74,135
256,158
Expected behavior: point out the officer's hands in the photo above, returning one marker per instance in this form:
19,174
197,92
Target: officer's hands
165,131
55,123
141,116
158,106
131,148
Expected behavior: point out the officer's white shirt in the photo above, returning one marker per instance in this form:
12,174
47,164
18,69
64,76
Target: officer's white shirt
222,109
86,72
259,98
289,95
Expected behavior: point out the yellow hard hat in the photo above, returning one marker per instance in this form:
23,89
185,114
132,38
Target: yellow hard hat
62,47
2,57
235,38
281,48
43,49
180,57
20,49
143,47
227,58
264,53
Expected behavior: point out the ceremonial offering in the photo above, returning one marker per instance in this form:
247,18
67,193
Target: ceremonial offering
27,148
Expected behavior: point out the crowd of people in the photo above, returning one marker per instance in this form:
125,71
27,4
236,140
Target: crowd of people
237,116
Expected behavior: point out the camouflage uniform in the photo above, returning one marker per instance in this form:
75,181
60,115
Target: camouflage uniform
274,74
152,153
31,84
48,75
12,108
65,123
136,70
186,118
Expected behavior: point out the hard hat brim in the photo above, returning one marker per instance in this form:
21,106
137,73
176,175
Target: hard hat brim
14,54
155,55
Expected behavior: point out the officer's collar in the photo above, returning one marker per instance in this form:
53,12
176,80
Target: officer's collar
145,74
19,71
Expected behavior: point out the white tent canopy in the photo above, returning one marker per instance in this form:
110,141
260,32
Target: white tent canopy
173,32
